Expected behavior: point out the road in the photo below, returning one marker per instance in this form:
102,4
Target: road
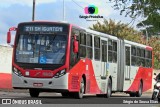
56,98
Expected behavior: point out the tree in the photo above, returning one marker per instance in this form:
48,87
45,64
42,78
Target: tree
148,9
118,29
152,23
137,7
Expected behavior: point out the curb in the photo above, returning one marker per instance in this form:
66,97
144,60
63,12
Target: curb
5,81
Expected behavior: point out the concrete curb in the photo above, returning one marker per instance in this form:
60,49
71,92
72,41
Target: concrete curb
5,81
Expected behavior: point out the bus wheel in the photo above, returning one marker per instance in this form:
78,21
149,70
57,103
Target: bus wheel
132,94
139,93
34,92
109,88
79,94
65,94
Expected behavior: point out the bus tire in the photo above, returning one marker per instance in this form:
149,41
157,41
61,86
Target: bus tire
109,88
158,100
65,94
139,93
132,94
34,92
79,95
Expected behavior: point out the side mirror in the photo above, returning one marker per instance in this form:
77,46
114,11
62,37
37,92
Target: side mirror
8,37
75,45
9,34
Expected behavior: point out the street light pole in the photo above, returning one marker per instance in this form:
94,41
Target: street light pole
146,32
33,11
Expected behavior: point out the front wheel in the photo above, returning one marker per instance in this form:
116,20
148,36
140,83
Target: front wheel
34,92
79,95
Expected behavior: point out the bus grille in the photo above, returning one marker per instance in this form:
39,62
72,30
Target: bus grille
74,82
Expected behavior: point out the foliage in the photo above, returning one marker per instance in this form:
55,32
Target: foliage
152,23
137,7
117,29
148,9
123,31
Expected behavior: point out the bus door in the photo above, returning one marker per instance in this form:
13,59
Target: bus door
127,80
104,51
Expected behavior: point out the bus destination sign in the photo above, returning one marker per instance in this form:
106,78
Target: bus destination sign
43,29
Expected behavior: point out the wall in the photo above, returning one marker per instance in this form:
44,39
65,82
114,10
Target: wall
5,59
5,67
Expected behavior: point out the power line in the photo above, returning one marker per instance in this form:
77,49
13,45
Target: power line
77,4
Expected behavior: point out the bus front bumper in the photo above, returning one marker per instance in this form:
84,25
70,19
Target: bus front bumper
60,83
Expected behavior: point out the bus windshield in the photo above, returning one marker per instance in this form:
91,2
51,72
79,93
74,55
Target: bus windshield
41,48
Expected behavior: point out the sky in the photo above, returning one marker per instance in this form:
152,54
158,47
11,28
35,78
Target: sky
13,12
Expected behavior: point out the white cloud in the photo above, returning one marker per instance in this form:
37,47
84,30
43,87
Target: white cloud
7,3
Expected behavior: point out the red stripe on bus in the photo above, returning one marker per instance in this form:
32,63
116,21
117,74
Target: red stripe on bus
83,67
144,74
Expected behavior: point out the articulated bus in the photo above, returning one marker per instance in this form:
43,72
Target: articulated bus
71,60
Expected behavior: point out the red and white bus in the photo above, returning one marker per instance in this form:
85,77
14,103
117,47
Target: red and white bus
63,58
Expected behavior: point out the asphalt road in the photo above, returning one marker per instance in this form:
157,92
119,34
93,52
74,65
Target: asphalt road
56,98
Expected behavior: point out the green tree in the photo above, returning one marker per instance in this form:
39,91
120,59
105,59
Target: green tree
118,29
136,8
148,9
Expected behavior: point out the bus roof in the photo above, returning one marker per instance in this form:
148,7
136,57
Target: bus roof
95,33
116,38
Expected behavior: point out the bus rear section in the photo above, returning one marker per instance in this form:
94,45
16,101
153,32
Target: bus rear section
138,68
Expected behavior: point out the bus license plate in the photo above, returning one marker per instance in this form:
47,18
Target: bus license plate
38,84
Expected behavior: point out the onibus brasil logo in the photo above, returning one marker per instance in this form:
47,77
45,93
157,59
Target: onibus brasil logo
91,12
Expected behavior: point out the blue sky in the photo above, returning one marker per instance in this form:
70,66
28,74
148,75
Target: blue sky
13,12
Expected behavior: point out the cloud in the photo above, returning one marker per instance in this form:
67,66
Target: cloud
13,12
7,3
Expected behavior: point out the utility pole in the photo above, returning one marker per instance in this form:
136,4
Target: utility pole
33,11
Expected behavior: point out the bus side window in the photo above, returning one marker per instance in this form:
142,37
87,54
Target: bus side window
148,58
114,51
89,46
143,57
138,62
110,50
133,58
97,48
104,51
82,50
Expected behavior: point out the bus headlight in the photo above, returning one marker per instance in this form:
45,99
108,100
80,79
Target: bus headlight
17,72
60,73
